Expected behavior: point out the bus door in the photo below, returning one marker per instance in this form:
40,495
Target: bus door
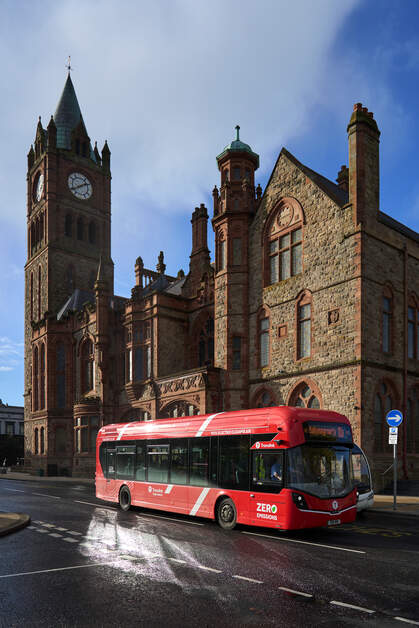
267,480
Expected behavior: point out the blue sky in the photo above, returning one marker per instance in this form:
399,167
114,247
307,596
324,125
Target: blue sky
166,82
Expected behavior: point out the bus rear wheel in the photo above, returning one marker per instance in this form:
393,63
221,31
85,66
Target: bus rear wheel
125,498
226,514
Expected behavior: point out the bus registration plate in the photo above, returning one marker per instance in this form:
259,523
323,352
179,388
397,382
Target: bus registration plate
333,522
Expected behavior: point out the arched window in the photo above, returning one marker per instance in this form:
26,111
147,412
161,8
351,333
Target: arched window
87,366
304,326
387,320
41,228
60,376
36,438
305,395
42,444
35,385
39,291
264,338
206,343
412,421
413,328
42,378
179,408
264,399
92,232
221,252
80,229
68,226
283,242
384,401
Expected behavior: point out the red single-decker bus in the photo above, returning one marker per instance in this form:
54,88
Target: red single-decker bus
281,467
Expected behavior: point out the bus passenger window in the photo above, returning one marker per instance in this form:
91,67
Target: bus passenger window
234,462
125,458
158,463
179,462
110,464
140,463
199,461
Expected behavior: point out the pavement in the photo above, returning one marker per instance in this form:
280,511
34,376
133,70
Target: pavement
12,521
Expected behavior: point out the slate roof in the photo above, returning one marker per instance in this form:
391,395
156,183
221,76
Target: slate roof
67,116
76,302
341,197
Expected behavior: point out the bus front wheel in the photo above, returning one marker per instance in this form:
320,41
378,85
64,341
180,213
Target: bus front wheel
226,514
125,498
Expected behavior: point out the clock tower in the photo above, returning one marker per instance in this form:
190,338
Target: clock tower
68,233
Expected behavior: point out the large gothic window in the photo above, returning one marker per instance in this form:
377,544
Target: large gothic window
283,242
305,396
92,232
35,383
60,375
264,353
413,328
264,400
178,409
206,343
68,225
39,291
87,366
387,320
304,326
42,378
80,229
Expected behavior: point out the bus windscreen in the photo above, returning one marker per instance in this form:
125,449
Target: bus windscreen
331,432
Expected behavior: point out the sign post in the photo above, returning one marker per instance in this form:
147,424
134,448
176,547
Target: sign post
394,418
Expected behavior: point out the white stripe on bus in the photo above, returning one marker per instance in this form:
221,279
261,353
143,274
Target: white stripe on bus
199,501
168,488
206,423
121,433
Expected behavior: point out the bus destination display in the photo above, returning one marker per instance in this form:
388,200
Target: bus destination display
332,432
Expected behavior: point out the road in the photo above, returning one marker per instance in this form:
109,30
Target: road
82,562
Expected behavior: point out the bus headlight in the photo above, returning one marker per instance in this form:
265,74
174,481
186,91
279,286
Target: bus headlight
299,501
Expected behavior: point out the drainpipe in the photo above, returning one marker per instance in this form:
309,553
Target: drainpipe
405,348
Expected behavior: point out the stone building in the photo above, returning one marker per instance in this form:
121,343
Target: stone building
312,300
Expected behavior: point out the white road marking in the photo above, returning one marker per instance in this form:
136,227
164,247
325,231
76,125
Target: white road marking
45,495
61,529
278,538
40,522
357,608
31,573
75,533
92,504
41,531
48,525
248,579
69,539
15,490
192,523
31,528
295,592
199,501
208,568
56,535
408,621
178,560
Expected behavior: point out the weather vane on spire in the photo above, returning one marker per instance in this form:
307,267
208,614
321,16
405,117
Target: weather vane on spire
68,66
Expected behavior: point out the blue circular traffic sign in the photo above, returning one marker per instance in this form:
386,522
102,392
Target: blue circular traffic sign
394,418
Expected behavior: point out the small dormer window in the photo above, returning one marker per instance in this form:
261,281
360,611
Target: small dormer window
247,174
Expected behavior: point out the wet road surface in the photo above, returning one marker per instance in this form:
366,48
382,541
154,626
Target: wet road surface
82,562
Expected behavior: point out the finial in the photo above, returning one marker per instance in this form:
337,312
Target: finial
237,130
68,66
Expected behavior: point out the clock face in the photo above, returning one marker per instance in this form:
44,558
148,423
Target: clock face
80,185
39,187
